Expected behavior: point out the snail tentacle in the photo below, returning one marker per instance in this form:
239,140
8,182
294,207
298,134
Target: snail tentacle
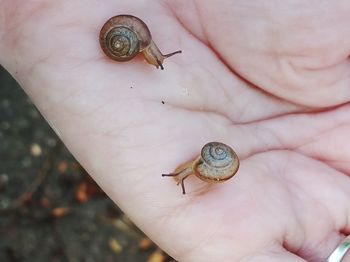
173,53
217,163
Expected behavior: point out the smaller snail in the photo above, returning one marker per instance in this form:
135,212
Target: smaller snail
122,37
217,163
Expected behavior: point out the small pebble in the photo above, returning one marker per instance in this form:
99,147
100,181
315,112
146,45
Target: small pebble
121,225
157,256
51,142
115,246
4,203
35,150
26,162
4,178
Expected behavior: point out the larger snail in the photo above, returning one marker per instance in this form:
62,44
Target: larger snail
216,163
122,37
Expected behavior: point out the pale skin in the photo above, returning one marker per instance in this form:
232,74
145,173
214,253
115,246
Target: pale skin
269,78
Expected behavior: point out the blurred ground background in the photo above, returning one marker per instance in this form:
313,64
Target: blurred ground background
50,209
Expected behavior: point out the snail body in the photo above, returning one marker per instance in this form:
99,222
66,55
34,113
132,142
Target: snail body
122,37
216,163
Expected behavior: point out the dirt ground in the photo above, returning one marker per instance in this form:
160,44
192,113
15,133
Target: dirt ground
50,209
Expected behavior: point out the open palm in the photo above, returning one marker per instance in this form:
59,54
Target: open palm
271,80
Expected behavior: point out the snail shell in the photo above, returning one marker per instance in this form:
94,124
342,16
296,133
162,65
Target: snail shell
122,37
216,163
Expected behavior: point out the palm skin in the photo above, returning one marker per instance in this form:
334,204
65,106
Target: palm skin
271,80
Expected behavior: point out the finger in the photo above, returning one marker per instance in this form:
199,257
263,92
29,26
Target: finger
340,251
325,249
277,255
301,56
274,257
320,201
322,135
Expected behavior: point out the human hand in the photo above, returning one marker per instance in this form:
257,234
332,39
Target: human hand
269,79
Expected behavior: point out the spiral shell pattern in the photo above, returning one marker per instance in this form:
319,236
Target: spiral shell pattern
218,162
122,37
122,43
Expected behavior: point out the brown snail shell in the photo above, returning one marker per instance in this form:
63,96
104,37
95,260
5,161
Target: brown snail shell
122,37
217,163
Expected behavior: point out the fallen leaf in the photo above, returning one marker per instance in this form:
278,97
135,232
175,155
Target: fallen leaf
145,243
27,198
45,202
60,211
81,194
62,167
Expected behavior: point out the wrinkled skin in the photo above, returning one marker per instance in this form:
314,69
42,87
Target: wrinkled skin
269,78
